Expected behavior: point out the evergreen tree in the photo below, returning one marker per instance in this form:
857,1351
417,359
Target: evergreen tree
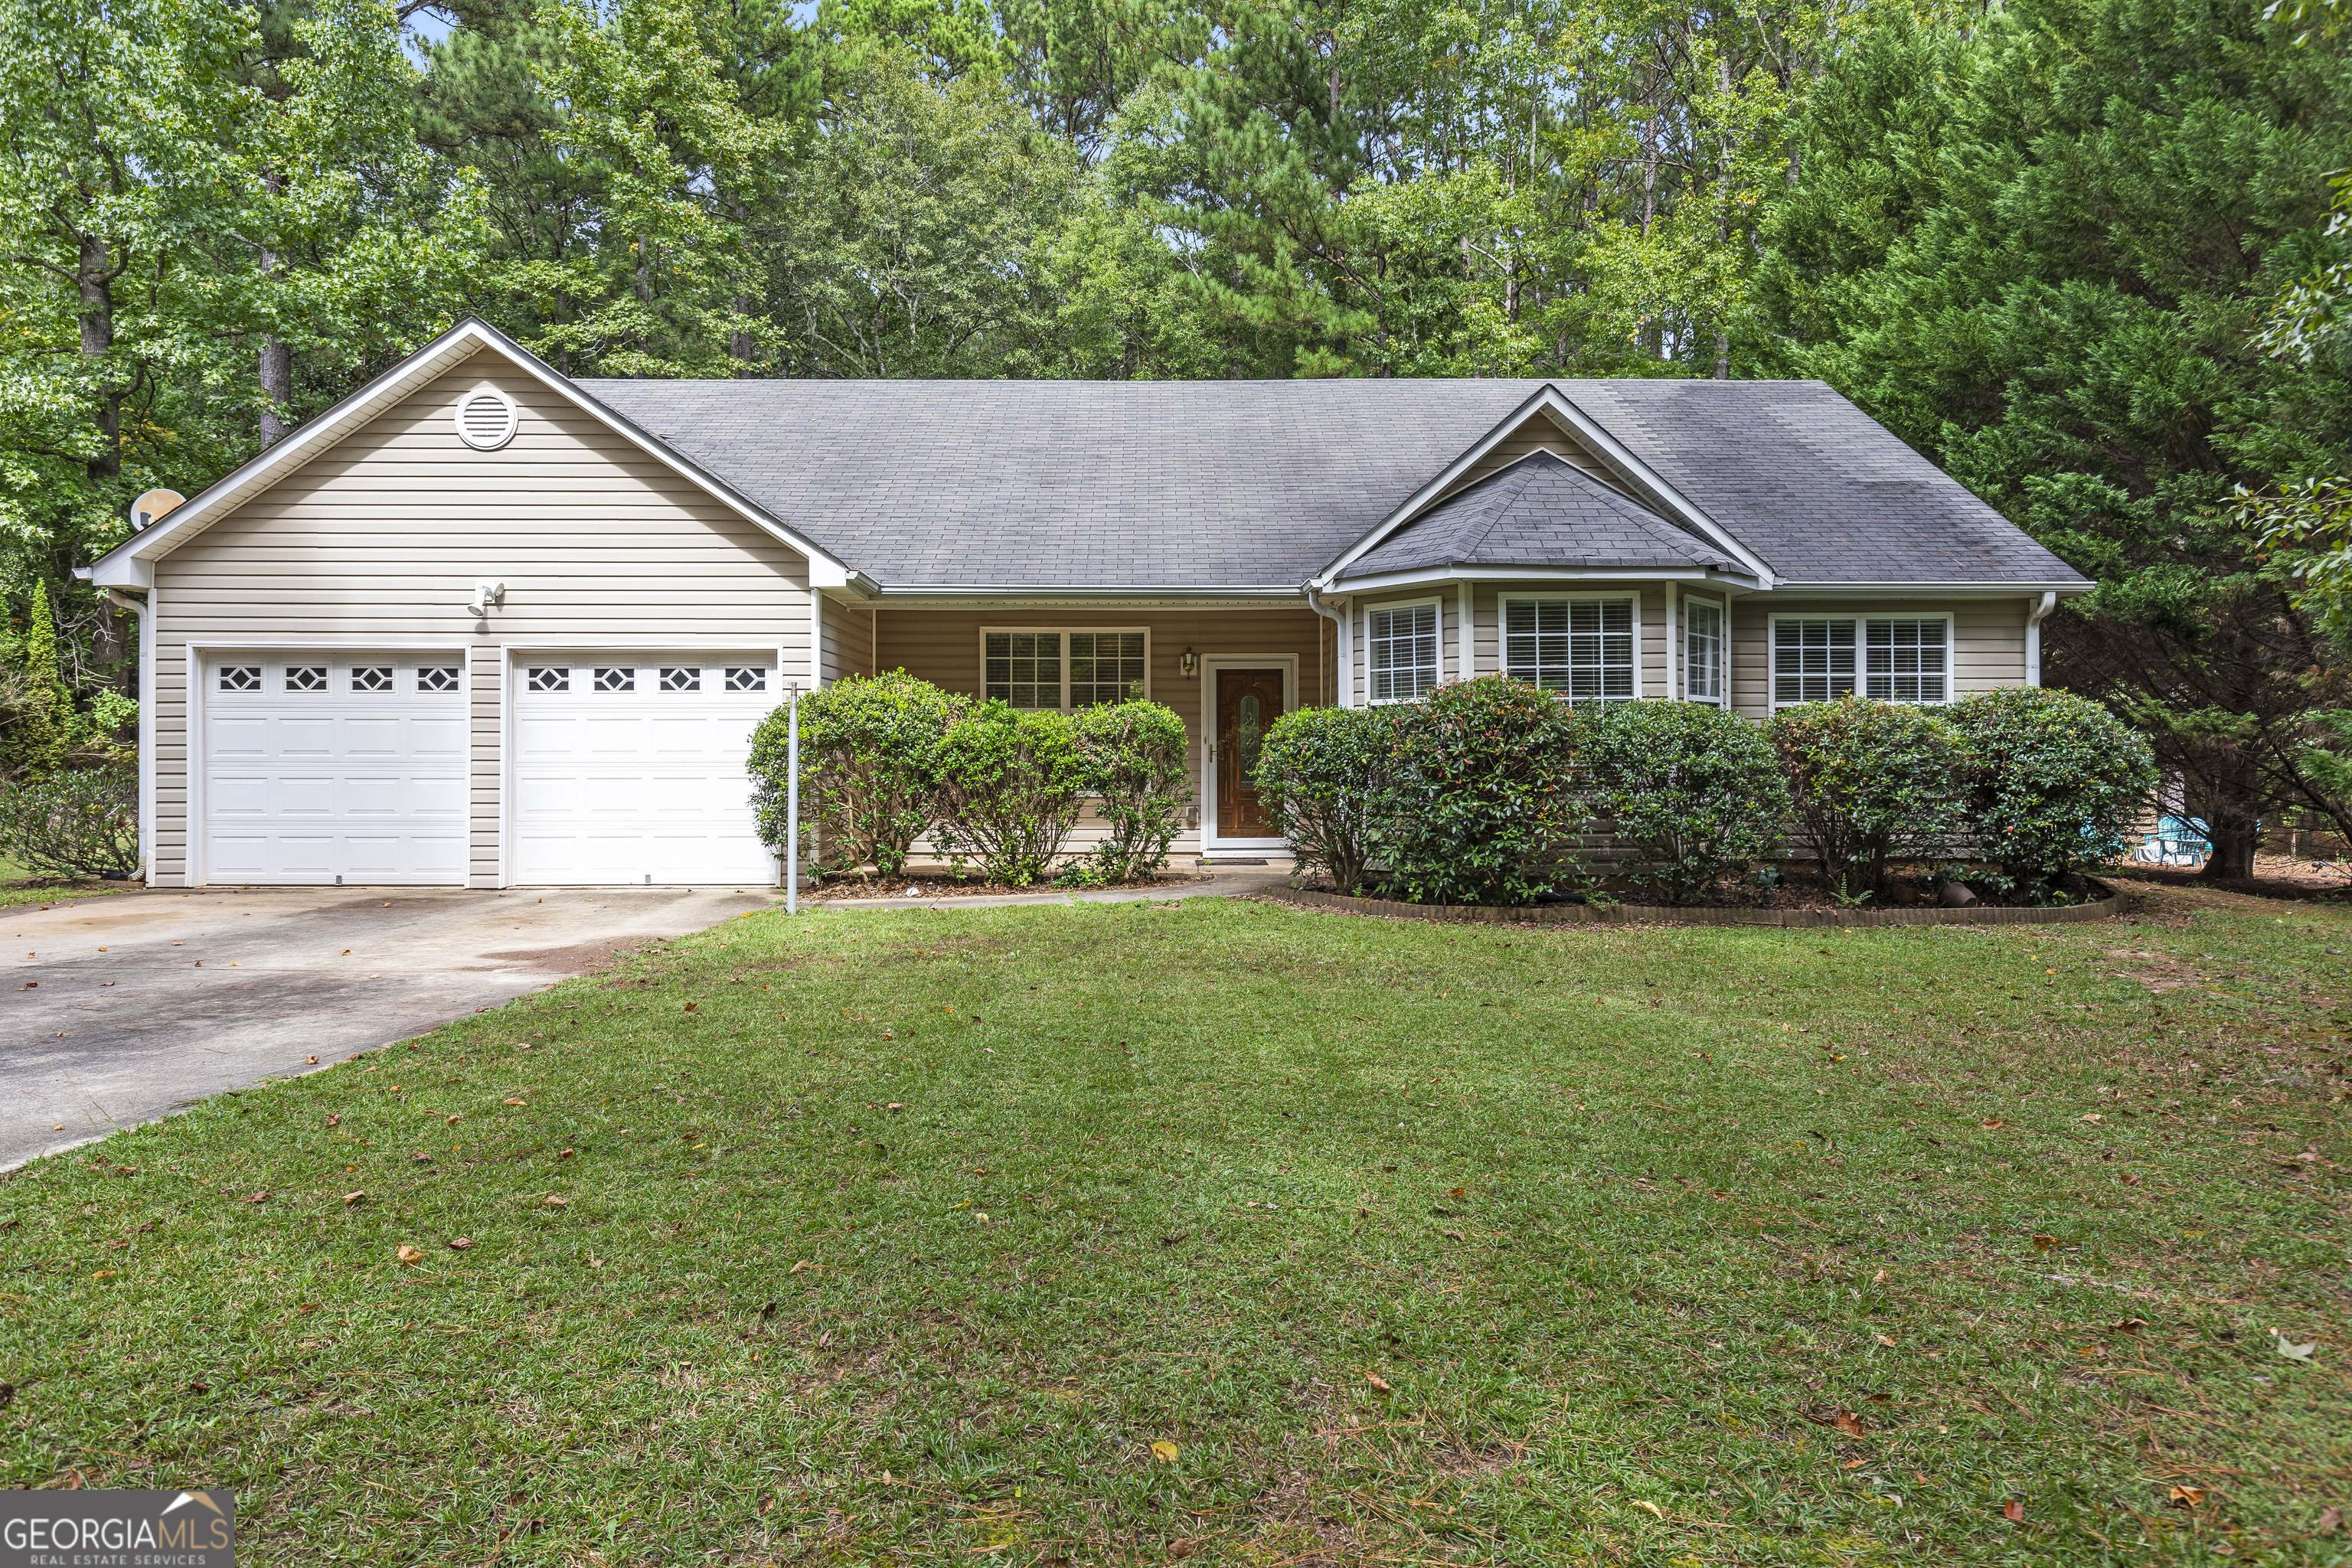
2042,253
43,728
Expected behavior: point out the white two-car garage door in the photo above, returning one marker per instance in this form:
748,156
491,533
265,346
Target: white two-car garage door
321,768
628,767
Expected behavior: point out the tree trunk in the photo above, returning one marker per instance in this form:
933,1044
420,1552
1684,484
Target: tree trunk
277,389
2232,859
277,367
93,281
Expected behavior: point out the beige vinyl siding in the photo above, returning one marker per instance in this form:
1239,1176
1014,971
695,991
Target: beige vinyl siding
1988,640
944,647
1538,434
379,541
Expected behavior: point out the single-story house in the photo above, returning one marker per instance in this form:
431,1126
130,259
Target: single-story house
478,623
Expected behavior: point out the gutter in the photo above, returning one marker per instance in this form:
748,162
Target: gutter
1343,654
2049,602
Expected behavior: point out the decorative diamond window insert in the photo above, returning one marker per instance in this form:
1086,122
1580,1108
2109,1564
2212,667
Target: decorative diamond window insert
437,678
747,681
557,679
617,680
240,678
306,678
371,678
681,679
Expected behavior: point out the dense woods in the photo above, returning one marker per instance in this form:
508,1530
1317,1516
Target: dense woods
2080,252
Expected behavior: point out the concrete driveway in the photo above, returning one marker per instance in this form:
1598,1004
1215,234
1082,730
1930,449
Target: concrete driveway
145,1001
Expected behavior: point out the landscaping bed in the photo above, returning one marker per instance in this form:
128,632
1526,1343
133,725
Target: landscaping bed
1219,1232
945,886
2100,904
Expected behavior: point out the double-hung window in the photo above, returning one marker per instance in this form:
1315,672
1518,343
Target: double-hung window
1893,659
1583,648
1062,669
1706,651
1401,651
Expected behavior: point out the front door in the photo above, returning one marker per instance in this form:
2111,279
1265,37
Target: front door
1248,703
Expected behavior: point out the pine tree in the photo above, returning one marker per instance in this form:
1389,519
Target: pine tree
39,736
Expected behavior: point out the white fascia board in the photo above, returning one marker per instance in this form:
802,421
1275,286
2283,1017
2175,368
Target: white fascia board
1538,576
1637,477
1978,590
199,511
1041,593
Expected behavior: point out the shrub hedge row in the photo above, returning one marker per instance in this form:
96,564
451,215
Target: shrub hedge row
885,760
1489,791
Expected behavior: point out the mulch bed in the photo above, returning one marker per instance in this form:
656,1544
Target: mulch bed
1799,889
924,886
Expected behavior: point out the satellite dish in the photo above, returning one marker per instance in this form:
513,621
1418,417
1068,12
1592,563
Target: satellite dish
149,509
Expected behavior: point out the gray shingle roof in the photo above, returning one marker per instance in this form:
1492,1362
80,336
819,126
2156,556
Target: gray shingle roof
1205,485
1540,511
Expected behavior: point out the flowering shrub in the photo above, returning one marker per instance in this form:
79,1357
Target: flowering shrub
1870,784
1321,775
1696,790
867,754
1477,806
2055,782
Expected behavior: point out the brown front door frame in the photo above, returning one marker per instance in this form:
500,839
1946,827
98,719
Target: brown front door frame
1210,664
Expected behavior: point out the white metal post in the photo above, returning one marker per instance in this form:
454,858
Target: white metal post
792,800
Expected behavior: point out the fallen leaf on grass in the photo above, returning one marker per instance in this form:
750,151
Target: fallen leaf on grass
796,1268
1653,1507
553,1201
1377,1381
1879,1277
690,1006
360,1196
1850,1423
1165,1451
1887,1341
449,1121
2127,1179
2185,1497
1853,1464
510,1100
410,1256
2128,1326
1452,1235
2044,1243
258,1198
561,1153
2330,1521
2013,1510
334,1120
2291,1351
1995,1123
462,1243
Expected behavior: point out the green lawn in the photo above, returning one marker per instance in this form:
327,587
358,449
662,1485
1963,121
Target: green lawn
913,1236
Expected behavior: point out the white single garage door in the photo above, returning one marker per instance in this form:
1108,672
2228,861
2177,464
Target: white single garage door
628,767
328,767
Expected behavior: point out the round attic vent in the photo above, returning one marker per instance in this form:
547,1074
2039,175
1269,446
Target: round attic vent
486,418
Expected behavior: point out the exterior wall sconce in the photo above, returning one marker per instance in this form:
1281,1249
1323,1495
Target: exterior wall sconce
1190,660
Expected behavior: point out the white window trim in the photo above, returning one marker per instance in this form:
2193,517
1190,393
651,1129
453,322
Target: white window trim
1386,604
1862,652
980,686
1681,654
1503,602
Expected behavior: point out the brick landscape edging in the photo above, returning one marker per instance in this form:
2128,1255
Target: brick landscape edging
1642,914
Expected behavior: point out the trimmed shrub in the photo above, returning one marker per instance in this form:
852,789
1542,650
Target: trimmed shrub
2055,782
80,822
1133,758
1321,775
1870,784
1696,790
866,758
1476,807
1007,783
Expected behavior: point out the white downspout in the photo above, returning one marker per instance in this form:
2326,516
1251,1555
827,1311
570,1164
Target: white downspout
2034,637
146,725
1465,649
1339,637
